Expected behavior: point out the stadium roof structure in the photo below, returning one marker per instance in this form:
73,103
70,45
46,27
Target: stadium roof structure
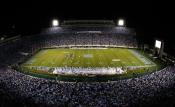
88,22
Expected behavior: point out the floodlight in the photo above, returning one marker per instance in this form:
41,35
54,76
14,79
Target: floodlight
2,38
121,22
158,44
55,23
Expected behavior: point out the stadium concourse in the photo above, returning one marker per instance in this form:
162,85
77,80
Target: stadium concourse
19,89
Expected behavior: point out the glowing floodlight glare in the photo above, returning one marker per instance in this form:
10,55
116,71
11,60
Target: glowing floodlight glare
2,38
55,22
158,44
121,22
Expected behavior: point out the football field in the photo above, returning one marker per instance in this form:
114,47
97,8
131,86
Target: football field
88,57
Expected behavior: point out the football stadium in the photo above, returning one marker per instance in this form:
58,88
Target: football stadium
79,51
85,62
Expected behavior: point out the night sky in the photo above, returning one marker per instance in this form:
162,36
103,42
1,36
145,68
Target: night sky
150,19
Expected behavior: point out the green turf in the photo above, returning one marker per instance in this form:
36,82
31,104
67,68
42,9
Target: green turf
111,57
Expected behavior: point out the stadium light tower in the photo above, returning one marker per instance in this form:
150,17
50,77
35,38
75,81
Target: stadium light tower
55,23
121,22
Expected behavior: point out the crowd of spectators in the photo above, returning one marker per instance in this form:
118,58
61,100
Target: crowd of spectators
88,71
26,90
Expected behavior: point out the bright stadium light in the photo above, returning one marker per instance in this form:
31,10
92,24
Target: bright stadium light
2,38
55,23
121,22
158,44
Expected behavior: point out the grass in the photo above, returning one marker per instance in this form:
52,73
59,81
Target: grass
61,57
112,57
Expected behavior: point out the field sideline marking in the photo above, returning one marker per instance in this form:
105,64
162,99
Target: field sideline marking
138,55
